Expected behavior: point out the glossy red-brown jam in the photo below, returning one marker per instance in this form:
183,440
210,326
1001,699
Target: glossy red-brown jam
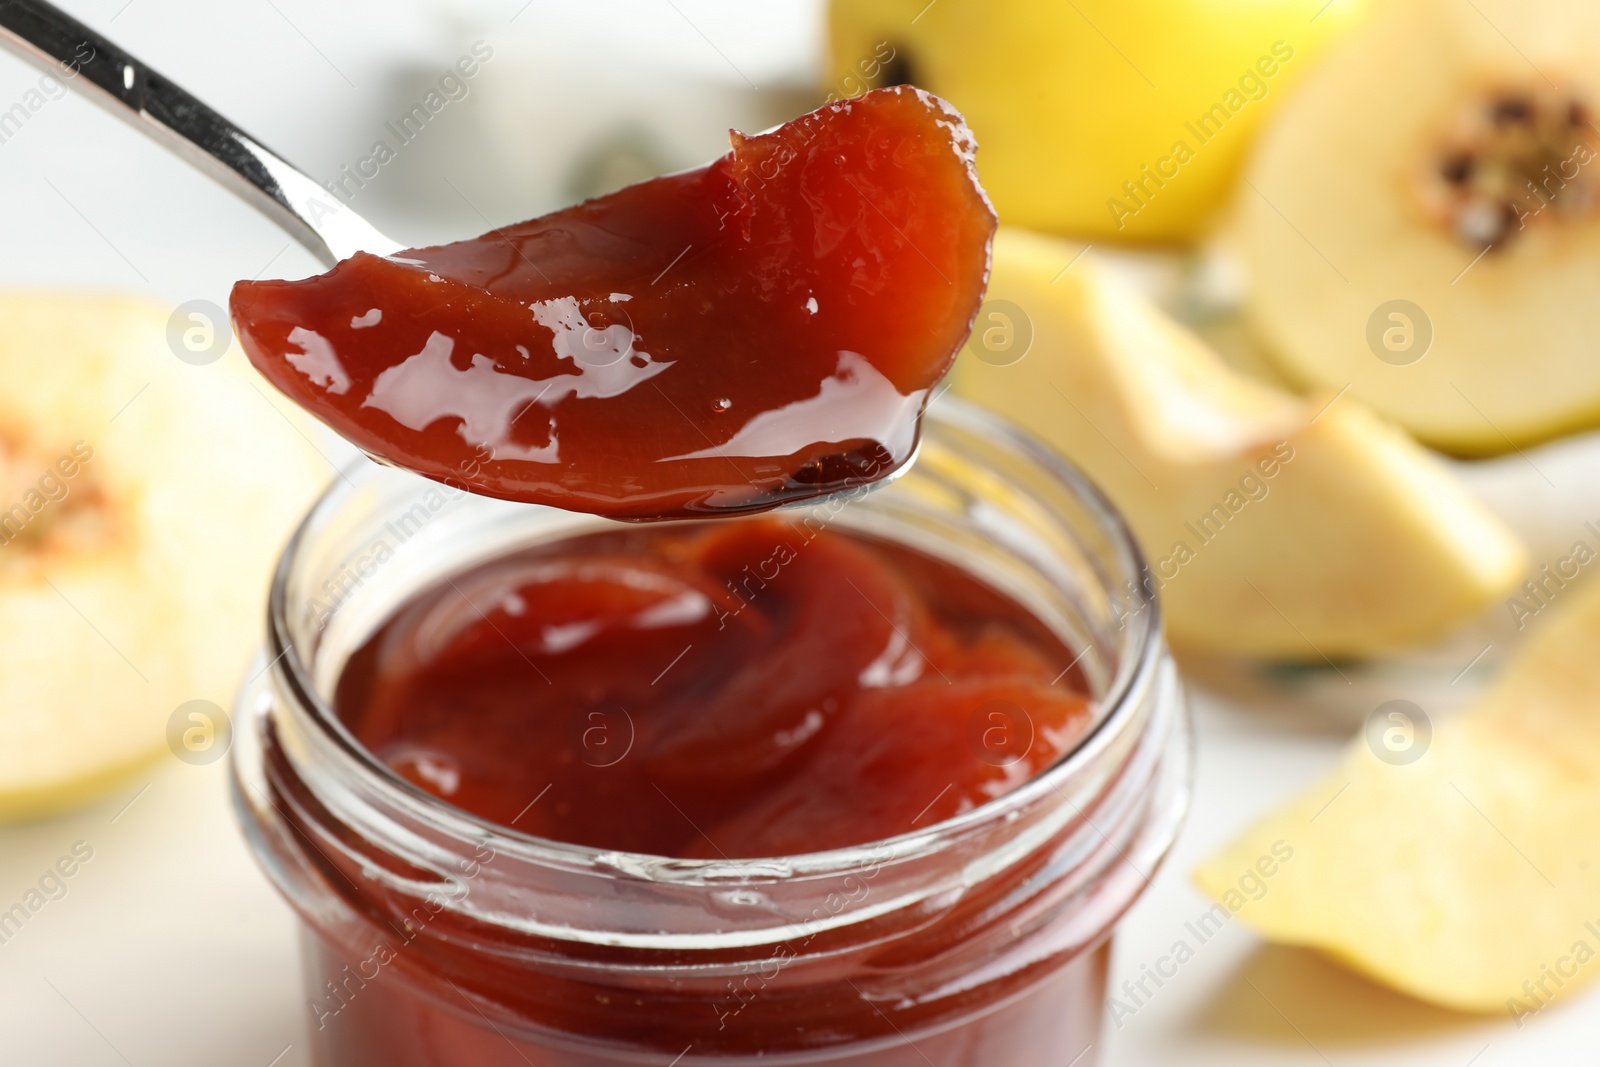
743,692
721,689
760,330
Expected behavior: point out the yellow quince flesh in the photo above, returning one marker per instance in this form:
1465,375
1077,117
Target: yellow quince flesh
1466,873
142,502
1274,526
1422,222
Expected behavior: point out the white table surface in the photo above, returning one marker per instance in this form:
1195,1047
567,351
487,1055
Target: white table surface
170,948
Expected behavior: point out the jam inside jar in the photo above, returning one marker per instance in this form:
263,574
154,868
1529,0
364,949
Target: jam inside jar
448,921
738,688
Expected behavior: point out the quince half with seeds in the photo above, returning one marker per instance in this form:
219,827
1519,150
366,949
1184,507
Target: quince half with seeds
142,502
1116,119
1273,526
1464,870
1422,222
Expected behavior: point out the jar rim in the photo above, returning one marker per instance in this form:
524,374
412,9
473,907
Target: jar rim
1137,667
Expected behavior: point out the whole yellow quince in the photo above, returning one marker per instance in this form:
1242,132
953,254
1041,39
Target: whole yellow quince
1119,119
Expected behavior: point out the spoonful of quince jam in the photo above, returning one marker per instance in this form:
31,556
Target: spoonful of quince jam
762,330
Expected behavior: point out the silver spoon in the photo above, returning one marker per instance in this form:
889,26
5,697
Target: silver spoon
59,44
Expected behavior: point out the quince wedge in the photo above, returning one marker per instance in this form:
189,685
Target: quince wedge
1273,526
1464,870
1121,119
1421,222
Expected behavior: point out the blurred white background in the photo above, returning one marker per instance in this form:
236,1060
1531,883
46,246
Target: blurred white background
170,947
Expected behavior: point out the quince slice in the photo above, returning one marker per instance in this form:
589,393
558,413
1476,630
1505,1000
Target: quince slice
1273,526
1422,221
142,502
1466,873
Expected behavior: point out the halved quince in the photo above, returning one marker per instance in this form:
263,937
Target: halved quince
1469,875
1122,119
1447,158
142,501
1274,526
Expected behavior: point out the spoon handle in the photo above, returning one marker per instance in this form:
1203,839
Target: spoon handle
57,43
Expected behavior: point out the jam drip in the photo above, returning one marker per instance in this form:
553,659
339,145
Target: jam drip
761,330
728,689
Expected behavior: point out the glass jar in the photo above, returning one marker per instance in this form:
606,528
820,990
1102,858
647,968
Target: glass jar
433,937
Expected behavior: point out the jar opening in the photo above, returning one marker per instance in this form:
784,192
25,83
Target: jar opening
1091,586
